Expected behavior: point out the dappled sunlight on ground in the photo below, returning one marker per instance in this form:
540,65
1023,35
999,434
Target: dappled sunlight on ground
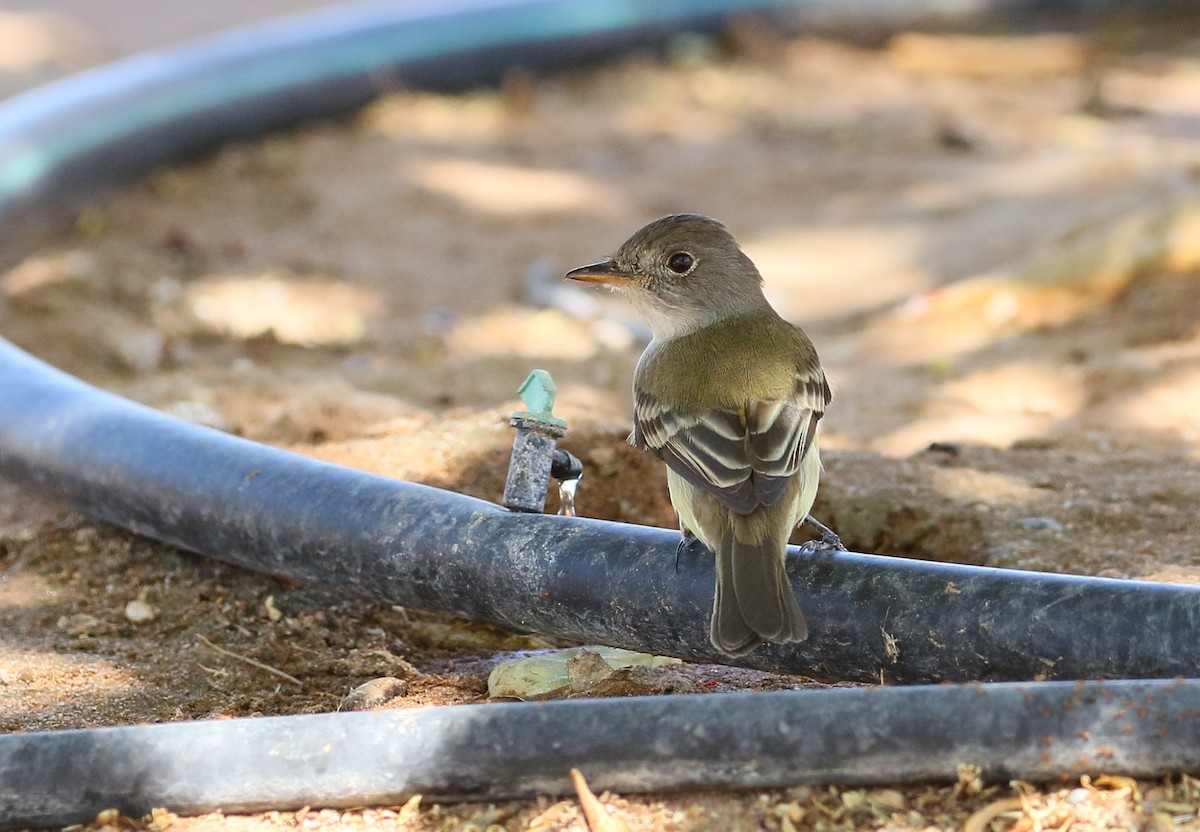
989,429
1168,88
975,56
293,310
829,271
43,270
993,405
534,334
513,191
1167,405
990,487
1081,273
469,119
41,40
898,409
1175,574
1020,388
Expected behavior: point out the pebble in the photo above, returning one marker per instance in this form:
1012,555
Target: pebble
139,612
1041,524
1079,796
140,351
198,413
890,799
374,694
78,624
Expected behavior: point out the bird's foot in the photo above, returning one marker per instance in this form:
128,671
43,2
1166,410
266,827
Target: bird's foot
829,541
687,541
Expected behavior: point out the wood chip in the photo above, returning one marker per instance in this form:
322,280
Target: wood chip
979,821
598,820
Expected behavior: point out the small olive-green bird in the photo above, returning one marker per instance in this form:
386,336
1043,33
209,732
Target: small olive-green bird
728,394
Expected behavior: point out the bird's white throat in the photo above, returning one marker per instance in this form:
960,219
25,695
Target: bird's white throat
670,322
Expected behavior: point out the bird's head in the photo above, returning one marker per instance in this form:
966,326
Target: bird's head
682,272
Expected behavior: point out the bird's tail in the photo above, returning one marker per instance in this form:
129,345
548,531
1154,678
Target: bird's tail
754,600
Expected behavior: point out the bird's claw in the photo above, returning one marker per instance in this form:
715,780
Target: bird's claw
829,541
822,546
686,541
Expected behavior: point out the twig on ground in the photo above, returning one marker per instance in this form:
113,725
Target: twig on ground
253,662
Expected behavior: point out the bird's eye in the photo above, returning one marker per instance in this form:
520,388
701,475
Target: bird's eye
681,262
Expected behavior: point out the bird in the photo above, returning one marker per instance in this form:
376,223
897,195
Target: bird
729,395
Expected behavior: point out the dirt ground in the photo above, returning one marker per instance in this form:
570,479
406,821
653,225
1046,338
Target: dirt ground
994,242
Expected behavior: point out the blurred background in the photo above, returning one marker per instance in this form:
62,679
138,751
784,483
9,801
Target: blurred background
992,234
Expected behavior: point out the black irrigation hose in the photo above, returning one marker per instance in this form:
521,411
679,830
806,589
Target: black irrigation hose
641,744
587,580
592,581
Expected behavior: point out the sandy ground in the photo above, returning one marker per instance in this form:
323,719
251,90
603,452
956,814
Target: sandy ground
995,244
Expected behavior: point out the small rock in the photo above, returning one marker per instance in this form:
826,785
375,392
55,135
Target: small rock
198,413
1160,822
578,670
108,817
374,694
854,799
488,819
138,611
956,137
167,291
951,449
1079,796
410,809
790,812
162,819
890,800
587,669
79,265
1041,524
140,351
78,624
1035,443
1176,808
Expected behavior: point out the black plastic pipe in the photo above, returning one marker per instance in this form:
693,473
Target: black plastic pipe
640,744
596,582
587,580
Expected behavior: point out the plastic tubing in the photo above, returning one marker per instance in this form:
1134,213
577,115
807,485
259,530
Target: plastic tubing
873,617
587,580
640,744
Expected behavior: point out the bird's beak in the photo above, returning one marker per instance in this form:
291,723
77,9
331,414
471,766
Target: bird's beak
605,271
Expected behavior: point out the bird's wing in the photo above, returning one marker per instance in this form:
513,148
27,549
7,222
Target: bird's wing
745,456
